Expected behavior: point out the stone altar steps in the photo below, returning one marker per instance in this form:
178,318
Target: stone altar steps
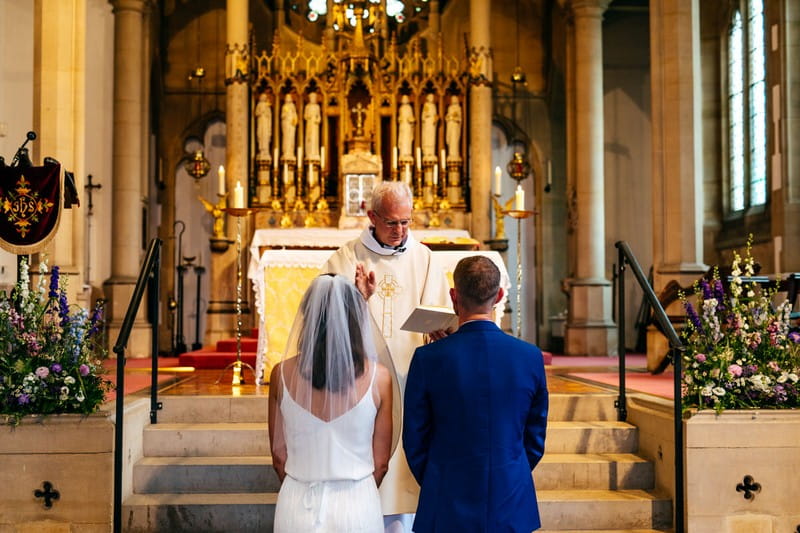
207,468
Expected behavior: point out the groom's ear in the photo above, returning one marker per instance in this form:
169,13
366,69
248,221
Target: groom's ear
454,298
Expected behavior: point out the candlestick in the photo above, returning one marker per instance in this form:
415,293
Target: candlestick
310,174
221,173
419,158
498,181
322,159
299,156
519,199
286,172
275,158
549,172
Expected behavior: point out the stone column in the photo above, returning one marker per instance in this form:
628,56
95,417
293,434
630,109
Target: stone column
676,84
128,166
480,118
590,329
222,300
434,18
59,109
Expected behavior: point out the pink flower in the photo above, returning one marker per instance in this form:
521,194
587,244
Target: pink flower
42,372
84,370
700,358
735,370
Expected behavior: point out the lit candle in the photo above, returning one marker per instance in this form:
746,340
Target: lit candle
419,158
275,158
519,199
322,159
394,158
443,161
221,173
435,176
498,181
238,196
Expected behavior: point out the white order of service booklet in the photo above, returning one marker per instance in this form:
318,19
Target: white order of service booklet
427,318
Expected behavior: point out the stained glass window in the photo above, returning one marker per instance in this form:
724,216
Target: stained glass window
747,108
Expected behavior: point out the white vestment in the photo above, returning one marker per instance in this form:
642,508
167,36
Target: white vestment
404,280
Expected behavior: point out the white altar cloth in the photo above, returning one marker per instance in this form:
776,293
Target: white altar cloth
280,277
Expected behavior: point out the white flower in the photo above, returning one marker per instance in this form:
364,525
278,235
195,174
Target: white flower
69,380
706,391
79,396
718,391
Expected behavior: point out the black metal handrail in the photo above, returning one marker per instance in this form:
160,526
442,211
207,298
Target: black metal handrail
676,352
148,276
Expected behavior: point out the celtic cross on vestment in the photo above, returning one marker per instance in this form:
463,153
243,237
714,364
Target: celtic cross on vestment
387,289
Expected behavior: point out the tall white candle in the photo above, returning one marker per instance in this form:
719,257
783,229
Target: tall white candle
238,195
443,161
498,181
286,172
221,172
419,158
322,158
519,199
394,158
407,169
435,176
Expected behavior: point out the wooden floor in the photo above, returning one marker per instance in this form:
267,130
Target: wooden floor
217,382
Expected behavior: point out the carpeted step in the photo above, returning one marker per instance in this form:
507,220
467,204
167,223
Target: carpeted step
202,359
249,344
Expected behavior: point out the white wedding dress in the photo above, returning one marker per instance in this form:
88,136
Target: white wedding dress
329,486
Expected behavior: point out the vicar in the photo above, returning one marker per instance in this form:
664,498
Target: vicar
395,273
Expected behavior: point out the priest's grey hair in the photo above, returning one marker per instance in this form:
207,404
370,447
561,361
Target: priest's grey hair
390,190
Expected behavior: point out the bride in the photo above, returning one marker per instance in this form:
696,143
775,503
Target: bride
330,414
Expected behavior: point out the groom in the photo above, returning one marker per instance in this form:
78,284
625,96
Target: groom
475,416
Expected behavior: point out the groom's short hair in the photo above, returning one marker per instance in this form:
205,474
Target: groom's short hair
477,280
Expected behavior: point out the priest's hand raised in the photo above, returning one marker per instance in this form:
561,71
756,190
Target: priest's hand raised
365,282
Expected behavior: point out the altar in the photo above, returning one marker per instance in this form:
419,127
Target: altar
284,262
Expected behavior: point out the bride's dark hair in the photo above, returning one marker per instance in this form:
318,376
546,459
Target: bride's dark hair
334,315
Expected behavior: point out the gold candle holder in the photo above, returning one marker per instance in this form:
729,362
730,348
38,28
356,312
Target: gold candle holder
520,215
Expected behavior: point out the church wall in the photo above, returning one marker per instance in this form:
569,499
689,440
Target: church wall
626,103
16,95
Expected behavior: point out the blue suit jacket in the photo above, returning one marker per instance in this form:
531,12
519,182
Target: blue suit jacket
473,429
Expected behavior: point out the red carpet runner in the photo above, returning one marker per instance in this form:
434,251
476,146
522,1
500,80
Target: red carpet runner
222,354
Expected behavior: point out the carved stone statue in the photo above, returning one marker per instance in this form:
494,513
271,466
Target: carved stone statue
430,120
313,118
453,131
288,127
405,128
263,114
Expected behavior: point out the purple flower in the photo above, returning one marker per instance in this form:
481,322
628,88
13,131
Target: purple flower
700,358
84,370
735,370
42,372
96,318
54,275
55,367
794,336
719,291
693,316
23,399
63,308
706,290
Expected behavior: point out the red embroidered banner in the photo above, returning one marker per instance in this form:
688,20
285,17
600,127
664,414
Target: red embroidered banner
30,207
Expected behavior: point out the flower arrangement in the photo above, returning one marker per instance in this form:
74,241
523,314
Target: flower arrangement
50,352
739,350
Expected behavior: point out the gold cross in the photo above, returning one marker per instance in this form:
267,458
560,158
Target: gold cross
387,289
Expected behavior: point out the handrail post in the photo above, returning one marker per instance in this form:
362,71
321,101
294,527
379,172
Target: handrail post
152,304
119,349
676,345
622,403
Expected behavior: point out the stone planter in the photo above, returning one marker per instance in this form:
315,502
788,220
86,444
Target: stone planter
737,454
72,452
